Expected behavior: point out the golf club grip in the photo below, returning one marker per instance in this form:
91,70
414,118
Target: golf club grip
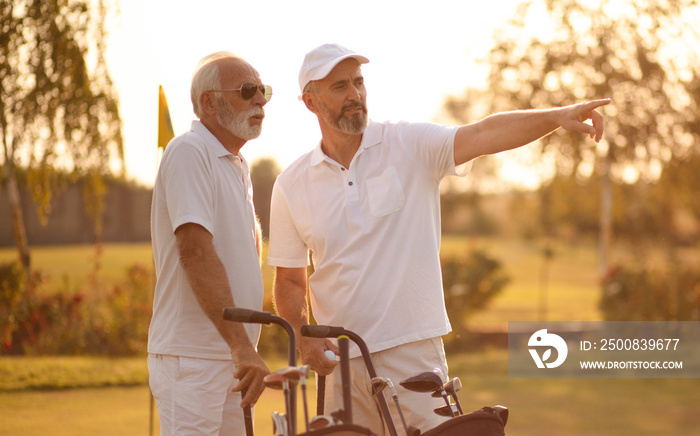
321,331
344,346
240,314
320,394
247,416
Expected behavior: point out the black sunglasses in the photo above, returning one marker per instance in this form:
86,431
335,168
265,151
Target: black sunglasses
248,90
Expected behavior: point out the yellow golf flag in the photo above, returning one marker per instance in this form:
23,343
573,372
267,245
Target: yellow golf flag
165,126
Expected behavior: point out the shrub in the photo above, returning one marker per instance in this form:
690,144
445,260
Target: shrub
112,321
12,281
651,295
471,282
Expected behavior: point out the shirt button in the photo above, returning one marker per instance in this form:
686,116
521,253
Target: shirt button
350,183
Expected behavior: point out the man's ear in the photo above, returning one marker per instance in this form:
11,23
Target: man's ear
309,99
206,102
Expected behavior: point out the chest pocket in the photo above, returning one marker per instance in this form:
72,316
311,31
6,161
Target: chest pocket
385,193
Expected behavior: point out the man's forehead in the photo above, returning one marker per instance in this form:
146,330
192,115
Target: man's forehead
237,69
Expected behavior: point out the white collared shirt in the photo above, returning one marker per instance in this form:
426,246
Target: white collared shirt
200,182
373,230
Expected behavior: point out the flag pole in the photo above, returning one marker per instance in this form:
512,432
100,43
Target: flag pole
165,134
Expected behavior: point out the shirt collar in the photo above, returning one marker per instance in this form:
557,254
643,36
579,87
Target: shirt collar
212,142
370,137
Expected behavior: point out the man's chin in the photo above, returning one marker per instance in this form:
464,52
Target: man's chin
353,126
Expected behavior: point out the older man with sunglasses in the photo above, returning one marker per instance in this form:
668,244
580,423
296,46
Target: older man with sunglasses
206,246
366,203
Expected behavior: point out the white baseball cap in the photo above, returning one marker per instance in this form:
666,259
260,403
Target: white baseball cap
321,60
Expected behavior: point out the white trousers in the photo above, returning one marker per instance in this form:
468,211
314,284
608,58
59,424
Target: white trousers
194,396
397,364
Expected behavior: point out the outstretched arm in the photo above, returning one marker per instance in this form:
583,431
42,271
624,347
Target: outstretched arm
509,130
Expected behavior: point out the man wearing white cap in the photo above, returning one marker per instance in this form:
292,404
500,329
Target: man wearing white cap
366,203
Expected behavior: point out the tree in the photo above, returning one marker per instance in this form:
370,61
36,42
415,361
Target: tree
58,109
642,54
263,173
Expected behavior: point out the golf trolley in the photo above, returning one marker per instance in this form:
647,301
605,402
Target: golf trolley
488,421
338,423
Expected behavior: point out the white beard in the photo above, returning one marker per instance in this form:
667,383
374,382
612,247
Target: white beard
238,122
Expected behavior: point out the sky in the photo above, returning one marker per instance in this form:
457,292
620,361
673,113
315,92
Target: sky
420,52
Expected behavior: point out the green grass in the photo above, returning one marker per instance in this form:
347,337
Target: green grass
67,268
572,407
568,291
578,406
31,373
102,401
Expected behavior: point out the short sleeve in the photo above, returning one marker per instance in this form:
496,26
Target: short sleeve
188,186
287,249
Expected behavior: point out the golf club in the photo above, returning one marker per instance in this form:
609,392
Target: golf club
428,382
451,387
276,380
321,421
298,374
445,411
279,424
378,385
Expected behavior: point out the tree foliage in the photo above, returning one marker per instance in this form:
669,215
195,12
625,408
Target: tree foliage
58,108
642,54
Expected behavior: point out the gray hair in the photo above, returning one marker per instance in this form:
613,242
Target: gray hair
312,87
206,77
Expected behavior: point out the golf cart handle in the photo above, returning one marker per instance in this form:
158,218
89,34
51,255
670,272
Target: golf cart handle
326,331
322,331
240,314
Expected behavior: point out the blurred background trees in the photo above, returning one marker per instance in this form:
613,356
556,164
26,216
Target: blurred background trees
61,126
59,112
643,55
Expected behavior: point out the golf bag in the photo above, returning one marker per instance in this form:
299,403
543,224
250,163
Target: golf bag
486,421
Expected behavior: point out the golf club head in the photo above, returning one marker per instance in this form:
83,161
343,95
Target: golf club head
321,421
338,415
378,384
274,380
412,431
451,387
279,424
423,382
445,411
293,373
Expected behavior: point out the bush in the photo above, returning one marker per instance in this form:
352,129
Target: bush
112,321
471,282
651,295
12,281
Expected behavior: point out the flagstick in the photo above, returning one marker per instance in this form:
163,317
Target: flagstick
164,123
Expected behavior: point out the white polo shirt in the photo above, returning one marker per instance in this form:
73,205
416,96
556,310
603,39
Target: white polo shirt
373,230
200,182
